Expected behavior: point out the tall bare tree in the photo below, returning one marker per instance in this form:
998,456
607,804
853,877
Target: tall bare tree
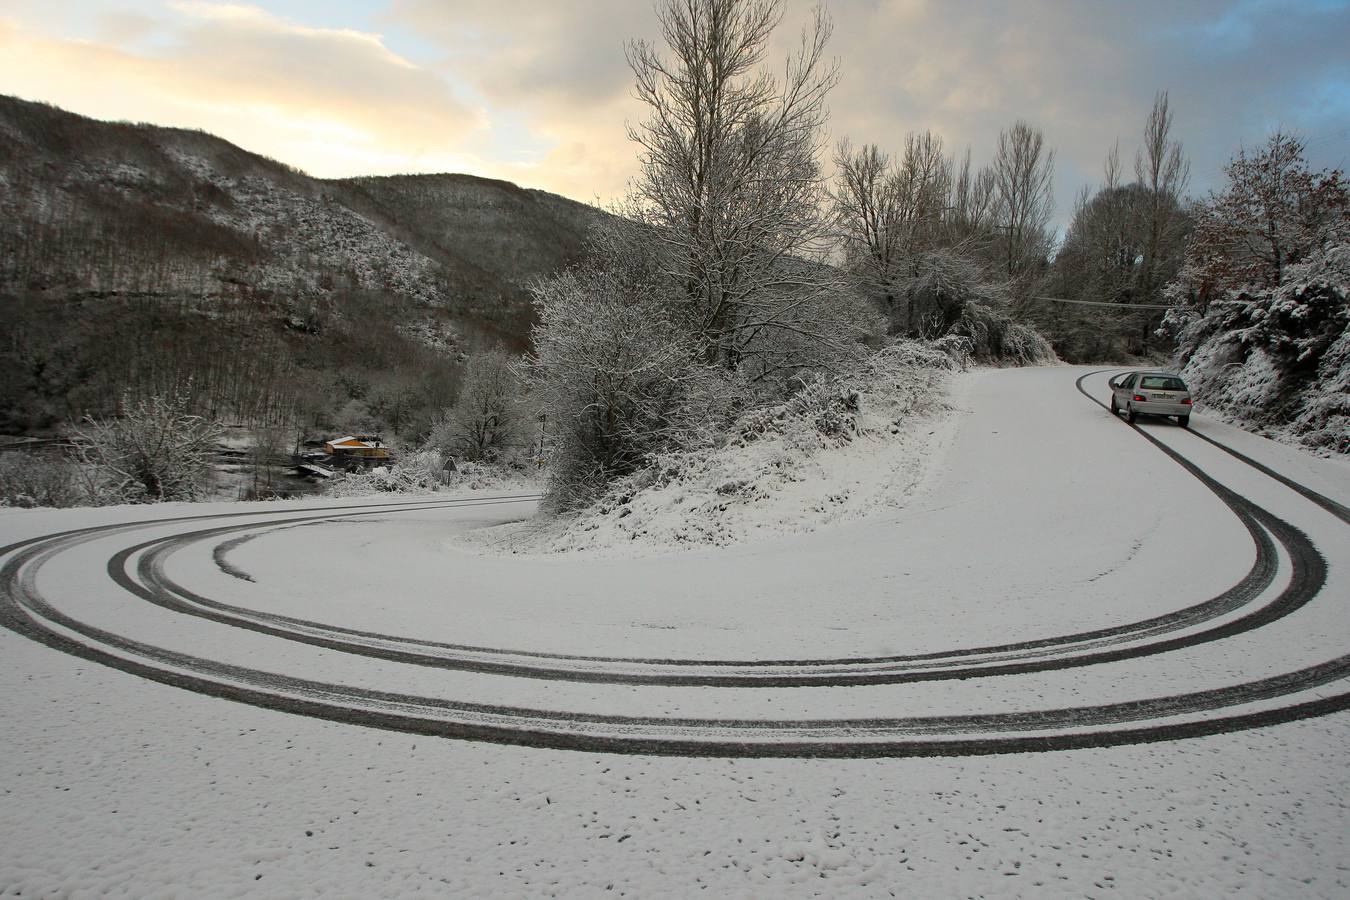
973,202
924,182
1023,171
867,214
729,171
1164,173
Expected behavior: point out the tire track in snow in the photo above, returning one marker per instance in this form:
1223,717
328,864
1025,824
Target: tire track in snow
152,584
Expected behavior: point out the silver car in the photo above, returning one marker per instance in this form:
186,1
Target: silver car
1151,394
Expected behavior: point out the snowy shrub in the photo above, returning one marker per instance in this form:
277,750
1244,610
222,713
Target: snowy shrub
764,448
417,473
1023,345
153,450
835,448
949,294
30,480
620,381
1323,421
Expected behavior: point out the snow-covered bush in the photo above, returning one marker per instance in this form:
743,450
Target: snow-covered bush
763,473
620,381
825,413
417,473
1023,345
1280,359
950,294
153,450
30,480
426,472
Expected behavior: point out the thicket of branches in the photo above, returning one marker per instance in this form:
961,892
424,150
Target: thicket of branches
1126,241
620,380
945,249
153,450
489,417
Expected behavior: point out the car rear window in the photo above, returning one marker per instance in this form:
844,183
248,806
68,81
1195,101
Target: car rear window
1162,383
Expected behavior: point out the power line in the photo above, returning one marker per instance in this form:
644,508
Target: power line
1126,306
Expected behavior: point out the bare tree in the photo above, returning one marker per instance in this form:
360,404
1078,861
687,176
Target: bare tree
154,450
729,171
1023,170
923,185
486,418
1164,173
866,207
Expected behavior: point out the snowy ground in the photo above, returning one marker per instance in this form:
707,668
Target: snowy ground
1043,535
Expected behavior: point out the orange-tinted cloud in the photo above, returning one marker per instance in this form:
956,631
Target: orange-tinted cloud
333,101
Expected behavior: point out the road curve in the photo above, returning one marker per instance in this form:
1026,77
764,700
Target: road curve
1288,574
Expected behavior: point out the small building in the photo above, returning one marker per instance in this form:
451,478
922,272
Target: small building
350,447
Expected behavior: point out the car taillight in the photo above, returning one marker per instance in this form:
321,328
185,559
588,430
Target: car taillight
1186,401
1139,398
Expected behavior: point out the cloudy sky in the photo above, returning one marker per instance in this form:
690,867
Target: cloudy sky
537,91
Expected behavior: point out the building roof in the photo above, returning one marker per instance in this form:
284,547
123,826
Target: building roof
350,441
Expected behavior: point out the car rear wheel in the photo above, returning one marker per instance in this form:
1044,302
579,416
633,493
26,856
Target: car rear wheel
1130,414
1115,408
1184,421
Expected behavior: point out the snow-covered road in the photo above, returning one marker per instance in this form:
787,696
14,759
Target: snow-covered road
1107,619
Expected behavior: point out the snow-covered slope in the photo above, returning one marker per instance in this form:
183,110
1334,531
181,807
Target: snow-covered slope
843,448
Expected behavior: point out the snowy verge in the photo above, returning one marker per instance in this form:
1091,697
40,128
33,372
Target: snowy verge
425,473
841,449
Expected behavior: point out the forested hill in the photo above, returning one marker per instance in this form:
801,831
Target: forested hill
134,257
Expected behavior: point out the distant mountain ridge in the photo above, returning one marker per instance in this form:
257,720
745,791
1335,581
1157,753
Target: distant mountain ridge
94,213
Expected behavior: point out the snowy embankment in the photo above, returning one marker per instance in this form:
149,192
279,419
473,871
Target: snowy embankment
1241,390
839,450
1277,361
424,474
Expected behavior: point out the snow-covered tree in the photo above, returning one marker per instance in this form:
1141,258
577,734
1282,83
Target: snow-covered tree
730,181
1262,306
153,450
1023,171
1162,172
620,381
1274,212
487,417
887,212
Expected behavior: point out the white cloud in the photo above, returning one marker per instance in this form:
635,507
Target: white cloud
256,79
538,91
